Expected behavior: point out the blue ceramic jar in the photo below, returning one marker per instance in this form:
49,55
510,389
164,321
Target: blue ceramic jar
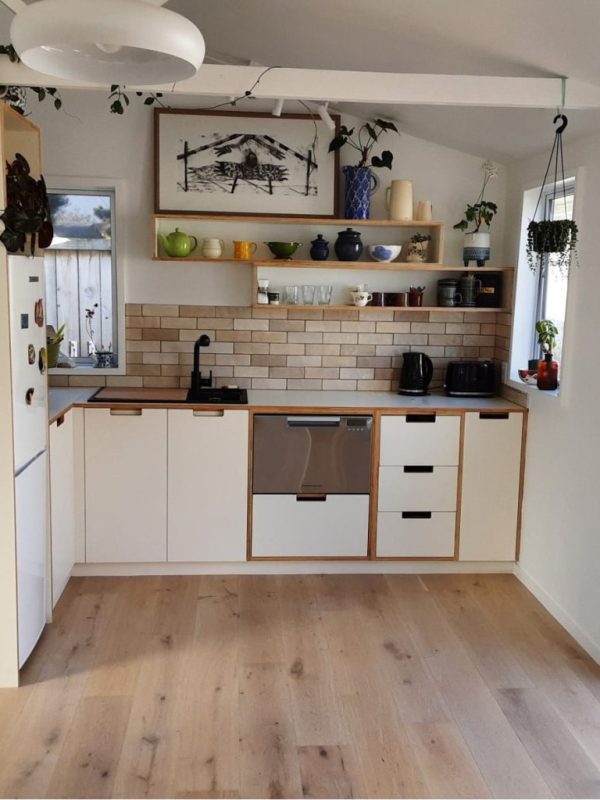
319,250
348,246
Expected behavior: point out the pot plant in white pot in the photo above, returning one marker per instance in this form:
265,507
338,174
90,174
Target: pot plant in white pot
418,247
481,213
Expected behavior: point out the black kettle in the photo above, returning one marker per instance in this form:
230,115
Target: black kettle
416,374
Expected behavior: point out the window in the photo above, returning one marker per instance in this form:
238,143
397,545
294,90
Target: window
81,280
552,284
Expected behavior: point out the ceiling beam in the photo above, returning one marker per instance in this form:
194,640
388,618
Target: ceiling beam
380,88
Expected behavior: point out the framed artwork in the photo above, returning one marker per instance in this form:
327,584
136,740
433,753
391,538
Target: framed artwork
225,162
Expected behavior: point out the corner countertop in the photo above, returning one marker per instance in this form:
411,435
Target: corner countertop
61,400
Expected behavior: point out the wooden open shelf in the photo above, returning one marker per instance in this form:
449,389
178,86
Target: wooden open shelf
302,307
269,220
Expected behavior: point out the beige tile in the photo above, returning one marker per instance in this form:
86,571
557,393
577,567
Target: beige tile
145,347
287,325
251,372
374,386
304,361
157,310
216,347
270,312
87,381
462,327
180,323
229,359
191,335
287,349
160,358
176,347
174,371
480,341
275,337
305,313
322,349
251,348
503,319
393,327
432,352
340,338
488,329
213,324
446,339
357,350
373,361
339,386
446,316
269,383
124,380
142,322
196,311
133,309
341,313
234,312
133,358
482,316
330,326
233,336
411,316
427,327
339,361
387,374
375,315
144,369
356,374
161,383
207,359
251,324
58,380
135,334
410,338
358,327
286,372
376,338
268,361
322,372
309,337
390,350
223,372
159,334
307,384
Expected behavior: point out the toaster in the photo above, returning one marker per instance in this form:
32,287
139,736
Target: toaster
471,378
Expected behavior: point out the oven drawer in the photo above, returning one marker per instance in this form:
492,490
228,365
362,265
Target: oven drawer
428,537
420,439
410,488
336,527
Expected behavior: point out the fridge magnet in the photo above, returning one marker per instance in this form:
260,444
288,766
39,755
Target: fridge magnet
42,360
31,354
39,313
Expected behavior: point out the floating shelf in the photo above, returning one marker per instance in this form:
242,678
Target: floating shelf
299,306
269,219
202,260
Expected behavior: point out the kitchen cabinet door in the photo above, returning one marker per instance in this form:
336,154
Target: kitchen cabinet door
490,486
208,485
62,502
126,485
420,440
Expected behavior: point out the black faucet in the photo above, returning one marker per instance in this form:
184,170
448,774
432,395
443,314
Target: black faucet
197,380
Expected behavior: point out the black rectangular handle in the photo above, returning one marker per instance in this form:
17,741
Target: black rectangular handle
417,468
493,415
416,515
420,417
311,498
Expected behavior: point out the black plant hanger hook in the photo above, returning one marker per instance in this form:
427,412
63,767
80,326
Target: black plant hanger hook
563,124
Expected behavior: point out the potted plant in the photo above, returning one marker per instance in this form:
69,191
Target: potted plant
360,181
482,212
103,355
547,375
53,343
557,237
418,247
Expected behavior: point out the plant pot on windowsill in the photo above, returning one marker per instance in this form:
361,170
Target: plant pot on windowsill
105,359
547,373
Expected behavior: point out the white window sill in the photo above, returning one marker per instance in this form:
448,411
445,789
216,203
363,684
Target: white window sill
67,371
528,388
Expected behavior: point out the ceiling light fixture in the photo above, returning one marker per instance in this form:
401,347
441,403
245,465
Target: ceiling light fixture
133,42
277,108
326,116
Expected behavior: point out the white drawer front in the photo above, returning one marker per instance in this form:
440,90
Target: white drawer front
414,491
283,526
415,538
420,443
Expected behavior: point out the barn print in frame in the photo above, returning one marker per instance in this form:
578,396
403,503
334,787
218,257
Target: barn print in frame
237,163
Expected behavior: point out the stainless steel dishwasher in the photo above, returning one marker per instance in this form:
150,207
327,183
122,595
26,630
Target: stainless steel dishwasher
311,482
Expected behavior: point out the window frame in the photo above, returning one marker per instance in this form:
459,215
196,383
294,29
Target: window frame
69,184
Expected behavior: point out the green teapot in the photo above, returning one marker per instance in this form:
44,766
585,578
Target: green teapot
177,244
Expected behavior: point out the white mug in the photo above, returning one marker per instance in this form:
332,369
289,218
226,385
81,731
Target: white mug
361,298
212,248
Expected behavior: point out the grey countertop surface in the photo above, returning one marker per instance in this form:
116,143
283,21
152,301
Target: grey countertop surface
61,399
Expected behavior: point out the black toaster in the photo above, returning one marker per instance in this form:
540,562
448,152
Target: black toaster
471,378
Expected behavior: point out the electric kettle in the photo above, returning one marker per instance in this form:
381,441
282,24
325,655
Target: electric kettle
416,373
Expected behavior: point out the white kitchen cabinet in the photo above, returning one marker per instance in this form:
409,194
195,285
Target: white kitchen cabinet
420,439
490,486
400,534
126,485
402,489
285,527
207,485
62,501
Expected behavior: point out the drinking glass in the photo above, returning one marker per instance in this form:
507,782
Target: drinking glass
291,295
324,294
308,295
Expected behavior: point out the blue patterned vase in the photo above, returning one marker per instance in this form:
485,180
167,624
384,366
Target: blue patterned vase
359,186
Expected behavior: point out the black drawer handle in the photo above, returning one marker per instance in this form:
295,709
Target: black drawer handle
493,415
416,515
311,498
420,417
418,469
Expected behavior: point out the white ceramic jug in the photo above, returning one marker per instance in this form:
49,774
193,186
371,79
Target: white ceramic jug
424,211
212,248
399,200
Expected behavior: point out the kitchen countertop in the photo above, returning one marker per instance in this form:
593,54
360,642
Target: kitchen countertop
60,400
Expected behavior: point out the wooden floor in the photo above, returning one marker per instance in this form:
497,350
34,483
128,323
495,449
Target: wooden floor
302,686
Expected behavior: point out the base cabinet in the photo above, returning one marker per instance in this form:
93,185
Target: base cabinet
415,535
126,485
490,486
285,527
208,485
62,501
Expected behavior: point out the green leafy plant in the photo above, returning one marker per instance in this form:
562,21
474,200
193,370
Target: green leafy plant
16,95
365,139
58,336
552,237
420,238
482,211
547,333
120,99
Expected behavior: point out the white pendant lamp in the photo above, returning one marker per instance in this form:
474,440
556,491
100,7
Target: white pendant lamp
107,41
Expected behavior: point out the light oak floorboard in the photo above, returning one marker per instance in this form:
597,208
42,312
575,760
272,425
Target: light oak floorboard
302,686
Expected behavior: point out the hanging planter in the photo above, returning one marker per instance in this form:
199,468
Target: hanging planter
553,238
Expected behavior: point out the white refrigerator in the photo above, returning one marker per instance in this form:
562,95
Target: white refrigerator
30,435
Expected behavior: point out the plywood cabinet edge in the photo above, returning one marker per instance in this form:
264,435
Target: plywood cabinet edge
521,483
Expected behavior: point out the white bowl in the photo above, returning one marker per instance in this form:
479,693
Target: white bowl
384,252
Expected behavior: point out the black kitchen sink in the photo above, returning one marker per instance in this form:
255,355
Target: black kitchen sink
222,395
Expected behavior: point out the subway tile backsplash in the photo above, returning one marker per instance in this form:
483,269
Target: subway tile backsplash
296,348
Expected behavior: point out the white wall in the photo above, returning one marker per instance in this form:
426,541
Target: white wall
85,139
560,552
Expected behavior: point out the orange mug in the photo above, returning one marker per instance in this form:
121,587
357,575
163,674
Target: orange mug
244,250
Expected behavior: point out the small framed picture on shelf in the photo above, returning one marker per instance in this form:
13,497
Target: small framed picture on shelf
228,162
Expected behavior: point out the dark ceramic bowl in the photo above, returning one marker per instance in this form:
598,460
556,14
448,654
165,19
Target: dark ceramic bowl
283,249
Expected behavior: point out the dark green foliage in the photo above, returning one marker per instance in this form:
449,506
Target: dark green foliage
366,137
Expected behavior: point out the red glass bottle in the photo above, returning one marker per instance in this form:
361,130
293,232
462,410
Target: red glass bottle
547,375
